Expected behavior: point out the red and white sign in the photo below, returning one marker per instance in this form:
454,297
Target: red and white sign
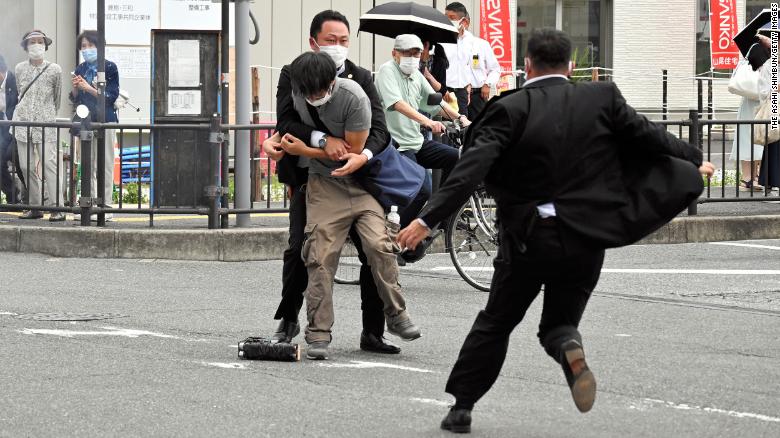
495,28
723,27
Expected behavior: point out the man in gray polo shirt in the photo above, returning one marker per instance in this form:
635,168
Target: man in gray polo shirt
335,201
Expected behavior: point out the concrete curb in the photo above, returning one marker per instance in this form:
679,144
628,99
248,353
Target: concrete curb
269,243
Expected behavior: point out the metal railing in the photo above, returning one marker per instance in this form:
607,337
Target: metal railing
139,171
710,135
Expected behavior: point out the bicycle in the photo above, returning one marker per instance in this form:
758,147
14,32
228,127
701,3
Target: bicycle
470,235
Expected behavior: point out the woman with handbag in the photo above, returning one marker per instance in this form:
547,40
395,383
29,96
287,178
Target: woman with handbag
769,174
744,82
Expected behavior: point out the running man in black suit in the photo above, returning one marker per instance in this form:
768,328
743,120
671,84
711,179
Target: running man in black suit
552,154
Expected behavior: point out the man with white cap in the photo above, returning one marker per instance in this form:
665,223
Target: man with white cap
405,91
39,83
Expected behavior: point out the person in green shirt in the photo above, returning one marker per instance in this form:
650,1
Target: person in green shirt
404,92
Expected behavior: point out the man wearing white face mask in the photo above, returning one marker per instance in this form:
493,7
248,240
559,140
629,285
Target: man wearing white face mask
474,69
405,92
39,83
329,33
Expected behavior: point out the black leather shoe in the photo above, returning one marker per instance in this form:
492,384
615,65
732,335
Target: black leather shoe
377,344
579,377
457,421
31,214
286,331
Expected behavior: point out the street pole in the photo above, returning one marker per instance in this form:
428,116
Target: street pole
225,96
101,114
243,112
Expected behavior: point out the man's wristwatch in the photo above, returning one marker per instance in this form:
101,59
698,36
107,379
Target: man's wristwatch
323,141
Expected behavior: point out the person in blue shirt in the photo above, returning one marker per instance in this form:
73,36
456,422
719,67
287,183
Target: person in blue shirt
85,93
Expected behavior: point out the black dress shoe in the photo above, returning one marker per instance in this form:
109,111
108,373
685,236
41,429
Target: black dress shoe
31,214
286,331
579,377
377,344
457,421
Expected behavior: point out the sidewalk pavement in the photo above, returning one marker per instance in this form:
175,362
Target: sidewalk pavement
187,237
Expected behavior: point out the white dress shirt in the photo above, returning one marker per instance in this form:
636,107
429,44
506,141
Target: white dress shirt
472,62
2,94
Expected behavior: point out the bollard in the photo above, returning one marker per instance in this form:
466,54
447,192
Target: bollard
693,139
86,201
214,191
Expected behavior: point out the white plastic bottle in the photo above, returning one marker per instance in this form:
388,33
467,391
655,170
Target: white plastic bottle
393,217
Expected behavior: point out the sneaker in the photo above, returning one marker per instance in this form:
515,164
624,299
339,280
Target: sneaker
317,351
31,214
57,216
581,381
286,331
403,328
457,421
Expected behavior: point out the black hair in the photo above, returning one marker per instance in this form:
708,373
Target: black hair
3,65
322,17
90,35
312,73
549,49
458,8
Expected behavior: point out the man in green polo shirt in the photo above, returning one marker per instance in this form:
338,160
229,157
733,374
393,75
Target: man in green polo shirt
404,92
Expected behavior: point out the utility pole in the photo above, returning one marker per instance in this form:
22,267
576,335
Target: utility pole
243,112
225,110
101,115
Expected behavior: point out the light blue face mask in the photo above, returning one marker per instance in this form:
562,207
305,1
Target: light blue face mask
90,55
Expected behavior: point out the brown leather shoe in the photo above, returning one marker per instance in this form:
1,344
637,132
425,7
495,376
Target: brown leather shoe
579,377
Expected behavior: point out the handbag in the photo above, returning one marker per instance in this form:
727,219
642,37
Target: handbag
760,135
744,81
391,178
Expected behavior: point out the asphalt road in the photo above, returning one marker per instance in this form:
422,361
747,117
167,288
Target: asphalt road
683,340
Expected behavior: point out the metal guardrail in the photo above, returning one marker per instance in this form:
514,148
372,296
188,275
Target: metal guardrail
708,134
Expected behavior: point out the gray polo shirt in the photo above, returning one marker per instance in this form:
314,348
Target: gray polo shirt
348,110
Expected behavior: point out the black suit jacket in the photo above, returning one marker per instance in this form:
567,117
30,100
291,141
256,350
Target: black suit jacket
11,99
609,171
288,120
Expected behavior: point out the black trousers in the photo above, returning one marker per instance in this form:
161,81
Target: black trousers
470,110
6,158
568,279
295,277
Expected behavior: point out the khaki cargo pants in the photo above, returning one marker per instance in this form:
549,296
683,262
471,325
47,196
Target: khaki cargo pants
332,206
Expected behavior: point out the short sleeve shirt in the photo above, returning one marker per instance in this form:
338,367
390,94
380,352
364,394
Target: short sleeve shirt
349,109
394,86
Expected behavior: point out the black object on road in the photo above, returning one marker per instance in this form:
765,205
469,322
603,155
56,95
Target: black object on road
257,348
398,18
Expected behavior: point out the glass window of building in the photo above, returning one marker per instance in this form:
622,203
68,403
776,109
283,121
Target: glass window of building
752,8
587,22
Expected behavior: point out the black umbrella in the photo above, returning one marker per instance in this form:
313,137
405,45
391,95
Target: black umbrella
747,36
397,18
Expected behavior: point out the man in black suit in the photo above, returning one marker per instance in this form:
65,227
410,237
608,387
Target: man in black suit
9,96
553,154
329,33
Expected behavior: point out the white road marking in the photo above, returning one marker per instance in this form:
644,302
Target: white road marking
431,401
646,271
8,313
363,365
109,331
730,413
623,335
747,245
232,366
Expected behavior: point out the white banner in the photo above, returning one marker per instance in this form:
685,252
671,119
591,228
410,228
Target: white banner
128,22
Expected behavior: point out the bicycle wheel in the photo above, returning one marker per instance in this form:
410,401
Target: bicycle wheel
472,240
348,270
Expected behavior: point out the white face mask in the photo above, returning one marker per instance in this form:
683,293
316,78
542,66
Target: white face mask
409,64
36,51
456,23
337,53
322,100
